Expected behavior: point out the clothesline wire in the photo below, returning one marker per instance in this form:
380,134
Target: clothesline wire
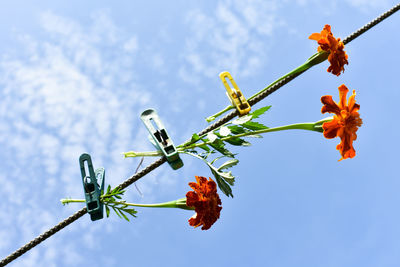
34,242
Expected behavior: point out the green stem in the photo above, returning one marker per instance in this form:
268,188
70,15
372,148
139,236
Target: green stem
180,203
133,154
313,60
67,201
213,117
311,126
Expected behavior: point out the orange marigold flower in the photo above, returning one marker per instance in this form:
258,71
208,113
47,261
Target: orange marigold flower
337,57
205,201
345,122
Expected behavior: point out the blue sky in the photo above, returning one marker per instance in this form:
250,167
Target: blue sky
74,78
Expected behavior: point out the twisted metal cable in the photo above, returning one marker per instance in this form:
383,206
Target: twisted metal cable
43,237
162,160
273,88
371,24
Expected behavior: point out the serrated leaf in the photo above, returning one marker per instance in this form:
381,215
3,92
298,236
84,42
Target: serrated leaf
228,164
242,120
224,131
205,148
255,126
236,129
219,146
223,186
228,177
255,114
236,141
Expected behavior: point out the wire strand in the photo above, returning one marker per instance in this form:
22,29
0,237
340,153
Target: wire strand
371,24
36,241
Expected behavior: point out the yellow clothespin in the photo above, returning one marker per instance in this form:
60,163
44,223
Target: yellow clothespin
236,97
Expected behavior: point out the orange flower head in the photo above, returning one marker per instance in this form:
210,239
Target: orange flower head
337,56
205,201
345,122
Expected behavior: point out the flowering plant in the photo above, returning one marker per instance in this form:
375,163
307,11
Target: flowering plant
215,145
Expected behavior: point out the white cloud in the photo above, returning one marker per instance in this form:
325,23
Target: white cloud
230,39
66,95
131,45
367,5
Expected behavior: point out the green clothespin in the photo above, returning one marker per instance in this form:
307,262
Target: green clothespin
161,138
93,186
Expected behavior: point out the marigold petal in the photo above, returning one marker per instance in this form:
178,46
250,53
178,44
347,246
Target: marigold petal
331,128
343,90
345,147
315,36
194,221
327,28
352,102
191,198
329,105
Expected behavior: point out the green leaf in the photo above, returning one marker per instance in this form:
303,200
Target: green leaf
108,189
236,129
223,186
219,146
228,177
228,164
255,114
255,126
132,212
195,138
205,148
123,214
107,211
236,141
